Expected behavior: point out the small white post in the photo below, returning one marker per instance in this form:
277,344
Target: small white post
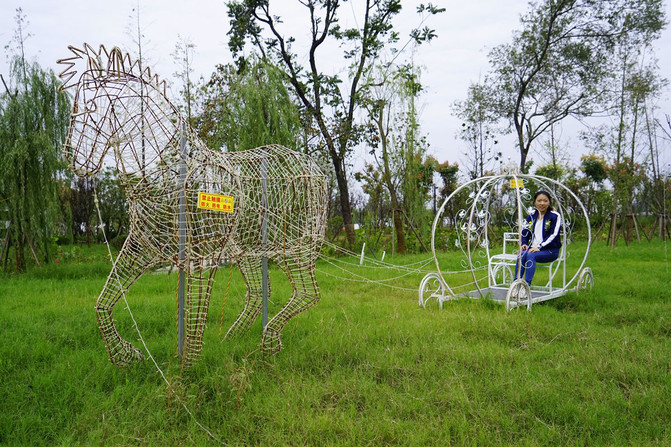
383,253
363,249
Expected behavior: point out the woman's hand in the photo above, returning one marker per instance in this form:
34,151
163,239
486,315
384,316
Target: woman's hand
533,250
523,247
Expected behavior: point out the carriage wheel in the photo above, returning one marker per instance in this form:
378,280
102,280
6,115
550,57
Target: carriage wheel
585,280
430,287
518,295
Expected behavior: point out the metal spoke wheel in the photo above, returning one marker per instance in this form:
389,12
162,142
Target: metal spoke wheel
431,287
519,294
502,272
585,280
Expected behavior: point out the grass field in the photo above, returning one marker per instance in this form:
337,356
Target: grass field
366,366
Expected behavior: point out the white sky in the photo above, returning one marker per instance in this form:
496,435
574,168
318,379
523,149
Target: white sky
466,32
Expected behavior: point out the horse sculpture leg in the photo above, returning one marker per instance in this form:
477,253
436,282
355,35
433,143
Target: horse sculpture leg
199,287
128,267
306,294
250,268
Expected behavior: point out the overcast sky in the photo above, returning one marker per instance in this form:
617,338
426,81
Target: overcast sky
466,32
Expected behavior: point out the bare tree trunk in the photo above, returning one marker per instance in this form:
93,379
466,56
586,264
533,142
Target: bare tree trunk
612,232
523,150
618,158
660,220
4,254
398,228
419,238
598,232
398,222
345,205
638,234
32,250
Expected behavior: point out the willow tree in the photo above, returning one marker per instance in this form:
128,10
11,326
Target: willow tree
34,119
248,106
397,144
331,101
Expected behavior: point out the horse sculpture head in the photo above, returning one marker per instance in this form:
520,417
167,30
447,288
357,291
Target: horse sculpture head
110,98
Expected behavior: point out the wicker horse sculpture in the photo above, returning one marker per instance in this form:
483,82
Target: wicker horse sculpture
268,202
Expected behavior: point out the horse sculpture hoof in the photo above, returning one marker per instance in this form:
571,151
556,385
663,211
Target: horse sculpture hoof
271,343
138,356
235,330
127,355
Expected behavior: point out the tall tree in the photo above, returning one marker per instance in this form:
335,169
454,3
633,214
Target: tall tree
638,86
478,130
555,65
137,37
34,119
330,101
183,57
417,168
655,183
134,30
632,81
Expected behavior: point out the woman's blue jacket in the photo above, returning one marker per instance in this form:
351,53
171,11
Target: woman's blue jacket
551,230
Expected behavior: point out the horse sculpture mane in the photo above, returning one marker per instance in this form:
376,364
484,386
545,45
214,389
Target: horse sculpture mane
188,205
102,63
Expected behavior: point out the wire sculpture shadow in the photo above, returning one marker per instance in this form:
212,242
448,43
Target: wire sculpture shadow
268,202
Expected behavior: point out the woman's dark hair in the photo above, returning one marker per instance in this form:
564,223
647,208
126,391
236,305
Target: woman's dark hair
546,194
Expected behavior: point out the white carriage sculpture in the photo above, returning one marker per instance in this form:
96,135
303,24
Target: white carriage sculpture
483,219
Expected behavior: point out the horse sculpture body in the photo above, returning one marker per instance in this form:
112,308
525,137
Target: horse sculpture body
268,202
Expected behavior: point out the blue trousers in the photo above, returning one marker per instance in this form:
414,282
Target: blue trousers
529,261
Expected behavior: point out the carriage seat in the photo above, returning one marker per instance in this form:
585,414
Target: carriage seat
505,262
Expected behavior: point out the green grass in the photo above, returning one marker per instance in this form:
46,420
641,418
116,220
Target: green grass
366,366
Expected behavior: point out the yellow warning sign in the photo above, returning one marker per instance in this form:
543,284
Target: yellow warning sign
216,202
516,183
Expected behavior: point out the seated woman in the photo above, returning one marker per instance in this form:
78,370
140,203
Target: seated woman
541,237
